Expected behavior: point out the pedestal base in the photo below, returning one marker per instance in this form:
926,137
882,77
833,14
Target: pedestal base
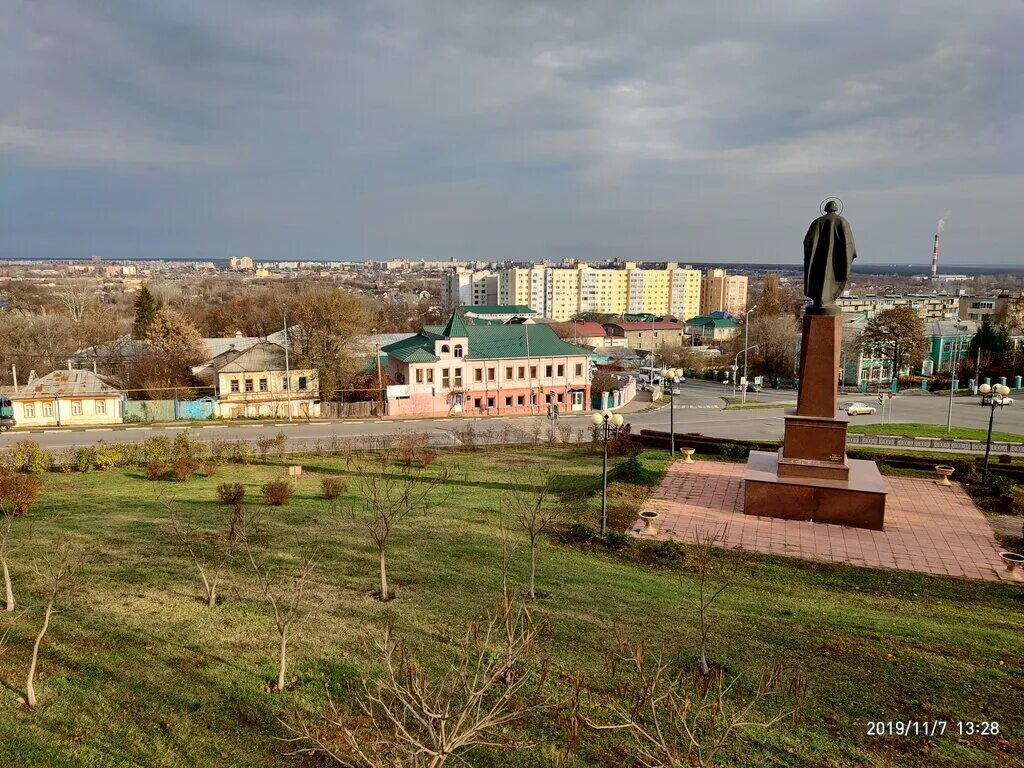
858,501
815,446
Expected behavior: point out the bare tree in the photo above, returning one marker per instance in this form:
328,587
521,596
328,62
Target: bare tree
211,552
284,592
709,590
58,569
389,496
413,719
530,509
6,529
681,720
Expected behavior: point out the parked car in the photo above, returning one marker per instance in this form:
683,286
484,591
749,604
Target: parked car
858,409
987,399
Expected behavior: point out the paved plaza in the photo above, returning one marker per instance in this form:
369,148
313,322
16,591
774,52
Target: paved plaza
928,528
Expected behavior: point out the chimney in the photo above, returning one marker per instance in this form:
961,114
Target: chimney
935,256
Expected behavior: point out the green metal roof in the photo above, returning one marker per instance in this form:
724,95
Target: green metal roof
500,309
455,327
715,322
486,342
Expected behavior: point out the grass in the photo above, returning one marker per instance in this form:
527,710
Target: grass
933,430
135,671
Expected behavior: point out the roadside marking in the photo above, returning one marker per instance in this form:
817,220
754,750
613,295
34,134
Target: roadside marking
215,426
175,427
251,426
52,431
100,429
354,422
144,429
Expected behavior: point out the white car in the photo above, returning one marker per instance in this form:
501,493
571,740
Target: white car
858,409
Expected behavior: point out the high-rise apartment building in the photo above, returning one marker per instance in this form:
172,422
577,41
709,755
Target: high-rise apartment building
469,287
722,292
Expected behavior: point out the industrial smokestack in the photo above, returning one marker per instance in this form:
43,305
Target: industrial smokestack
935,256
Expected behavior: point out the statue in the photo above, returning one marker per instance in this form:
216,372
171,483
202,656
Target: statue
828,258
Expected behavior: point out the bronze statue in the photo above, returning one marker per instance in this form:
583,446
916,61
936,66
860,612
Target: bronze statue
828,259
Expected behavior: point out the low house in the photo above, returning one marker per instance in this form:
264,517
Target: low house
65,398
642,334
712,328
588,333
252,382
502,313
463,368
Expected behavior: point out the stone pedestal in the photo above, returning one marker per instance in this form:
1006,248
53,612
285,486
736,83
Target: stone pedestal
811,477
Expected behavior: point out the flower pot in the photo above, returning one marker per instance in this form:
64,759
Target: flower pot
944,471
648,517
1012,560
687,454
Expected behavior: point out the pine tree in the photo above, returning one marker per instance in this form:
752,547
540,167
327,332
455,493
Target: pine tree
146,307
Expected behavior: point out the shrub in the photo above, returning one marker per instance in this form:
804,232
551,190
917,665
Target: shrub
210,468
733,451
183,469
243,452
27,456
1016,503
155,469
581,533
277,492
333,487
998,486
109,455
662,553
264,445
18,491
85,459
616,540
966,471
156,449
232,494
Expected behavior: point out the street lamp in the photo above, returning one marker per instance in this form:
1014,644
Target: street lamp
746,352
672,375
607,421
952,377
992,396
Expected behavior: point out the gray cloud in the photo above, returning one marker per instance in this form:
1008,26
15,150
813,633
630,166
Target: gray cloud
495,130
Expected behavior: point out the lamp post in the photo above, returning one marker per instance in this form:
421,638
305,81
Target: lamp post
607,422
746,347
952,375
672,375
287,364
992,396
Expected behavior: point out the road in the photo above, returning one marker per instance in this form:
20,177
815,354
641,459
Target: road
699,408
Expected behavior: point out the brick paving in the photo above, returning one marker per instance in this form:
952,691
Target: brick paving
928,528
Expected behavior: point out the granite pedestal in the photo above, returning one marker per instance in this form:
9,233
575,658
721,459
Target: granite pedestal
811,477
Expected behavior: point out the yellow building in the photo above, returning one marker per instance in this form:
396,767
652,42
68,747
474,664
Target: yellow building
722,292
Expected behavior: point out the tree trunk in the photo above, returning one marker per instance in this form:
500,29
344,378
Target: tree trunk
211,596
30,691
533,569
8,587
383,577
282,659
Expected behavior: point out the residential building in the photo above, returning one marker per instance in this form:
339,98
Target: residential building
241,262
977,307
713,328
463,368
500,313
467,287
587,334
655,335
948,342
66,398
722,292
252,382
929,306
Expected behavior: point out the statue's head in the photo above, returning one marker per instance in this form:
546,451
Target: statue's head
831,206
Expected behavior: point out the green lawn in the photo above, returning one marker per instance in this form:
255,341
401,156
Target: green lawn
932,430
135,671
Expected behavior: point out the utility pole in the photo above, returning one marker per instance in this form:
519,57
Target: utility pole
287,364
746,353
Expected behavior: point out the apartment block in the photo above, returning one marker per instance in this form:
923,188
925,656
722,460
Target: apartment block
722,292
930,307
469,287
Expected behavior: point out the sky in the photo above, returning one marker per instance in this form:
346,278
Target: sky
649,131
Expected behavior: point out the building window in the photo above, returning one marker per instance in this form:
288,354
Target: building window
477,403
47,409
458,350
263,385
444,349
490,402
508,402
430,375
548,369
458,377
508,372
446,380
520,400
419,375
490,374
76,408
248,385
478,374
234,385
579,369
101,407
560,397
547,398
303,382
522,372
533,371
30,410
561,370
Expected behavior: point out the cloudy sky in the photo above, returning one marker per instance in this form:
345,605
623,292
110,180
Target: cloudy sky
341,130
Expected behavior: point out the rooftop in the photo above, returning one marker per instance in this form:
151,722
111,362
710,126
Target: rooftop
66,384
499,309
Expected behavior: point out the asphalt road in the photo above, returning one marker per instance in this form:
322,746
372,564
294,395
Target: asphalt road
699,408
